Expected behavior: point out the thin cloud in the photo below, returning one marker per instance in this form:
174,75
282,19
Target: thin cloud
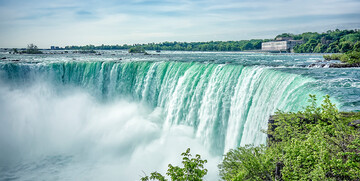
141,21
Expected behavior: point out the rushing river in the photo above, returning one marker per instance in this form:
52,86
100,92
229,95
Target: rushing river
117,116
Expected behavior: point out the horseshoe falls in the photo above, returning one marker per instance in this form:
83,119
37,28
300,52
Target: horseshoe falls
89,118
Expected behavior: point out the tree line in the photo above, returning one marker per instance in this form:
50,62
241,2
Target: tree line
242,45
332,41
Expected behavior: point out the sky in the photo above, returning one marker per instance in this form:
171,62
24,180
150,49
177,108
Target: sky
82,22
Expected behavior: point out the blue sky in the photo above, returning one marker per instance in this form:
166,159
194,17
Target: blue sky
82,22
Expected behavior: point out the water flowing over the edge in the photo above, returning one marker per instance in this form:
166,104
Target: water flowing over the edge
227,105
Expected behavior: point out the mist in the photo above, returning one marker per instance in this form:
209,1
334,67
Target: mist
64,133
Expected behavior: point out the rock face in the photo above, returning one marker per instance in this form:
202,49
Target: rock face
343,65
271,127
317,65
335,65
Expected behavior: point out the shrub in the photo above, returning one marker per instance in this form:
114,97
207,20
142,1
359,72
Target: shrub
137,49
246,163
313,144
32,49
352,57
193,170
332,57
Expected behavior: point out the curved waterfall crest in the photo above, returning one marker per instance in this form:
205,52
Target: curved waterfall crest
227,105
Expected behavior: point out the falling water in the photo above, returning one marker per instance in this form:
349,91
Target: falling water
127,114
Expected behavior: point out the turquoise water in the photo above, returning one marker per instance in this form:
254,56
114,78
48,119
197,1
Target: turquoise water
122,111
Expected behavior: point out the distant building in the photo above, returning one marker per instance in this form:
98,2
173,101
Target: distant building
281,44
55,48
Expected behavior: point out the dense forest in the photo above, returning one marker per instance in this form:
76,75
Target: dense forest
332,41
337,41
242,45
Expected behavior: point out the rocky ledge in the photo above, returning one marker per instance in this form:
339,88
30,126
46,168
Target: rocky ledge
336,65
344,65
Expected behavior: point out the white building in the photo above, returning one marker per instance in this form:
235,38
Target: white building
281,44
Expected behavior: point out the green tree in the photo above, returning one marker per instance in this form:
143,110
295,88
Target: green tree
352,57
285,35
257,45
345,46
353,37
356,46
15,51
32,49
248,46
192,170
246,163
333,47
319,48
332,41
137,49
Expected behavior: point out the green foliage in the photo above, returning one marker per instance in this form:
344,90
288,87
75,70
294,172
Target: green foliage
353,37
357,47
246,163
193,170
248,46
32,49
137,49
345,46
332,57
15,51
333,47
182,46
285,35
313,144
320,48
330,42
351,57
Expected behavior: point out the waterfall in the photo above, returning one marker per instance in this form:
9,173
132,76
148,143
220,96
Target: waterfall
227,105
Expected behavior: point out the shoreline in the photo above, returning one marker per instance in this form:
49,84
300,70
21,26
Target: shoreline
249,51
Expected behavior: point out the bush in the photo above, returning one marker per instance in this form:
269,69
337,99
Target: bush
314,144
357,46
193,170
332,57
352,57
32,49
246,163
137,49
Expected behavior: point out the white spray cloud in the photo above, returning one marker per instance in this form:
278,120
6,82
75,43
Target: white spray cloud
69,135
